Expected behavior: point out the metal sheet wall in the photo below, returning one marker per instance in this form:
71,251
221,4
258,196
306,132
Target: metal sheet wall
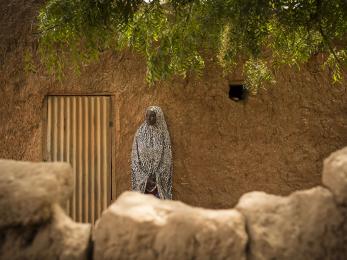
78,131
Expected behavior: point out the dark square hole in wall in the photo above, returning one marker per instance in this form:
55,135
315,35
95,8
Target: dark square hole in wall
237,92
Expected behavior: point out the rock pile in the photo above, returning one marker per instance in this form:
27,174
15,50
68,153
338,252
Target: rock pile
308,224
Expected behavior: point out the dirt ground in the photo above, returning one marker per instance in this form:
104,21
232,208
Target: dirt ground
274,142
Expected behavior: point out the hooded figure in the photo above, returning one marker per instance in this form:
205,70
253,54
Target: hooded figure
151,157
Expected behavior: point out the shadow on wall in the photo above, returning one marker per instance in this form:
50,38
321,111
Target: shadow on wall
308,224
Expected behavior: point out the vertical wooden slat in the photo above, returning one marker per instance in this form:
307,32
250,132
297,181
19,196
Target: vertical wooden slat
66,133
104,152
92,159
88,176
55,129
73,159
80,158
98,157
109,146
61,110
61,135
108,154
86,160
49,129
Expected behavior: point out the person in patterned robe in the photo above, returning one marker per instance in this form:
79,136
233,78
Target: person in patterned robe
151,157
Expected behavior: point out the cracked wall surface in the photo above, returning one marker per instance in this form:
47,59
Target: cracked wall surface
274,142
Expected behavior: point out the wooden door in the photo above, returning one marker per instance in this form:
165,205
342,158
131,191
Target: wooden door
78,131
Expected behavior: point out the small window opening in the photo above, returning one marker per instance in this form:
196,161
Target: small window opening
237,92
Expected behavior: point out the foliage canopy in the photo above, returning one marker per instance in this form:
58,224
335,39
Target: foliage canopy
173,35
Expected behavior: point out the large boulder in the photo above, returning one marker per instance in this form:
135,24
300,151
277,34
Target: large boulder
140,226
305,225
58,238
335,175
28,190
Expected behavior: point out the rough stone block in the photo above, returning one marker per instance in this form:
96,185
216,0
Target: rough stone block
28,190
140,226
58,238
305,225
335,175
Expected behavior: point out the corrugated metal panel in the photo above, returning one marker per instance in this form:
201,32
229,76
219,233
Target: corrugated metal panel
78,132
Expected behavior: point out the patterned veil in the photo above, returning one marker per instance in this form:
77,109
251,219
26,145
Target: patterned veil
151,155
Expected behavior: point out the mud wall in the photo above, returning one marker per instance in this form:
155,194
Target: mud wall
273,142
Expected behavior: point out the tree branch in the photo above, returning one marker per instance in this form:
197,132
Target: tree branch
331,49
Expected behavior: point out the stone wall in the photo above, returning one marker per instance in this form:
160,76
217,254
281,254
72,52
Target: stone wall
32,223
273,142
307,224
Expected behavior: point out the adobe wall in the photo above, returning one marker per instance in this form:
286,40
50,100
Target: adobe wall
273,142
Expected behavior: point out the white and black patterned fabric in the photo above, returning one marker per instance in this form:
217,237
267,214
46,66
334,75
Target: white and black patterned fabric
151,157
